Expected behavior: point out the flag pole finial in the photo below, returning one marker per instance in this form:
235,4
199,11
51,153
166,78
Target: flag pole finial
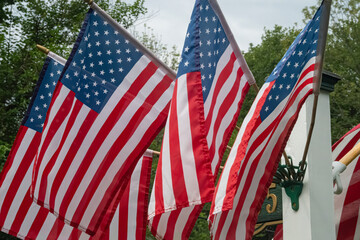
42,49
89,2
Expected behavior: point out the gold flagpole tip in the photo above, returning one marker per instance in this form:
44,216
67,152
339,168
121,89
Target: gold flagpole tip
42,49
89,2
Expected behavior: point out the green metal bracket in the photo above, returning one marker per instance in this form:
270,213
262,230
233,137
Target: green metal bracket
293,189
291,178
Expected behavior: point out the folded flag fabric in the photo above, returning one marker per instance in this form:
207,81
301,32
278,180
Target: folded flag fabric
347,204
211,84
256,152
110,103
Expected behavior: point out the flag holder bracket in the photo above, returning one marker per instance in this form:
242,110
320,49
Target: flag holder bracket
291,178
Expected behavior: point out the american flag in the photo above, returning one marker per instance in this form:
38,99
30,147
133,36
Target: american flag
347,204
110,103
256,152
19,215
208,95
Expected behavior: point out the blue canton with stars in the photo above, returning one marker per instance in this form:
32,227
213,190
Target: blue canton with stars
287,71
100,61
205,43
49,76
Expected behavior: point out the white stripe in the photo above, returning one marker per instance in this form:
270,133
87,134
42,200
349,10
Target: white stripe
166,177
114,225
133,200
185,143
357,229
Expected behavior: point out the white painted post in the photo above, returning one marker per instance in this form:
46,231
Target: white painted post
315,218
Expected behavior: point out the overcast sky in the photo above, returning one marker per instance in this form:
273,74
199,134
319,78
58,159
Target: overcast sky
246,18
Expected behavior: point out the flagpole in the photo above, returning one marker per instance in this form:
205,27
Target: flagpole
351,155
324,24
51,54
171,73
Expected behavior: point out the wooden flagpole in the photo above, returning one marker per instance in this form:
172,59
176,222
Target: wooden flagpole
351,155
324,24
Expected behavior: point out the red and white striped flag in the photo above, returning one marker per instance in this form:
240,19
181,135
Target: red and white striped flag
347,204
110,103
21,217
130,219
212,81
256,152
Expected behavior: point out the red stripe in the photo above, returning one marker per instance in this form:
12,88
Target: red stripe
37,223
52,161
200,149
223,77
75,234
170,227
143,198
158,189
177,172
154,225
10,159
123,212
56,229
53,128
220,225
19,176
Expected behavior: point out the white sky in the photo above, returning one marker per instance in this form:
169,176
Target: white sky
247,19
